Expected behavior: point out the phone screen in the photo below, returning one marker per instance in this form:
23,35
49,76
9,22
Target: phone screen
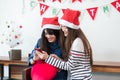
38,49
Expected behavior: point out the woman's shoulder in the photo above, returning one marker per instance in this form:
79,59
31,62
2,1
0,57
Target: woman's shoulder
77,39
77,44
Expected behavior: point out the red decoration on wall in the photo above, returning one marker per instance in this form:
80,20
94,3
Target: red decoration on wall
77,0
20,26
43,8
15,36
116,4
92,12
55,0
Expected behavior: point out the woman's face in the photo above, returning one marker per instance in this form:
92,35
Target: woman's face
65,30
50,37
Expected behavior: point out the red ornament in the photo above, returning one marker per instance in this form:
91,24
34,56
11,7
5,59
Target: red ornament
20,26
16,36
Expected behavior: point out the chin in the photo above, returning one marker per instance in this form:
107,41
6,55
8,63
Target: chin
65,35
50,41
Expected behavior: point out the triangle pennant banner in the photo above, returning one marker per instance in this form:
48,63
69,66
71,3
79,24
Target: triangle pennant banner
92,12
55,0
116,4
43,8
106,9
76,0
55,11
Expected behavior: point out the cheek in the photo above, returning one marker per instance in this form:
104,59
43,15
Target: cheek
54,38
46,36
65,31
51,38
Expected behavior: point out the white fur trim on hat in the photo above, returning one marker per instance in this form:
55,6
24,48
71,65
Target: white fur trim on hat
68,24
50,26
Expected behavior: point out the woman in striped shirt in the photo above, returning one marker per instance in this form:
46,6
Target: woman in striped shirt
76,49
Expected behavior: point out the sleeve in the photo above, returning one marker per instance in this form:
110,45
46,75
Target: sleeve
32,53
74,56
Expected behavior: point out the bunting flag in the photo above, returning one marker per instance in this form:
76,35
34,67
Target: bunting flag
116,4
55,11
43,8
41,0
92,12
55,0
106,9
33,4
76,0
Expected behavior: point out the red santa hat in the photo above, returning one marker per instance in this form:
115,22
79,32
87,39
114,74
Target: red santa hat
51,23
70,19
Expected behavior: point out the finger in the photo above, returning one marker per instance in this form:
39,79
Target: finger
44,52
37,52
40,55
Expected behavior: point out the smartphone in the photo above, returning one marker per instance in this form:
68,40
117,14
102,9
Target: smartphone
38,49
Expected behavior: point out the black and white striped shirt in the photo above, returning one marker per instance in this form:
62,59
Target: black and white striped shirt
77,64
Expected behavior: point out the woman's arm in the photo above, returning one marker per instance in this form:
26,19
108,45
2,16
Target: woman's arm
74,57
31,59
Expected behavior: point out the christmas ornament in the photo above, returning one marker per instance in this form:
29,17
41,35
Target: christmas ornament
13,34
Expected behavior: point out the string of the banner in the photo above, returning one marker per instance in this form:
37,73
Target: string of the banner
56,10
34,3
105,8
55,6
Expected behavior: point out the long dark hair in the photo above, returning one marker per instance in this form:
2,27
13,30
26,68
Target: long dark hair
66,43
44,42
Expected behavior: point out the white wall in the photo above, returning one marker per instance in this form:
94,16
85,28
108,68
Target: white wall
103,32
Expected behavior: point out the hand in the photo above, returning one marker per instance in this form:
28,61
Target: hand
55,56
42,55
35,57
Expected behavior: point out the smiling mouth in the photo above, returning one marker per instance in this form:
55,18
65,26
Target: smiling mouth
50,39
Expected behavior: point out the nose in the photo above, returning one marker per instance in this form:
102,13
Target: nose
63,29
